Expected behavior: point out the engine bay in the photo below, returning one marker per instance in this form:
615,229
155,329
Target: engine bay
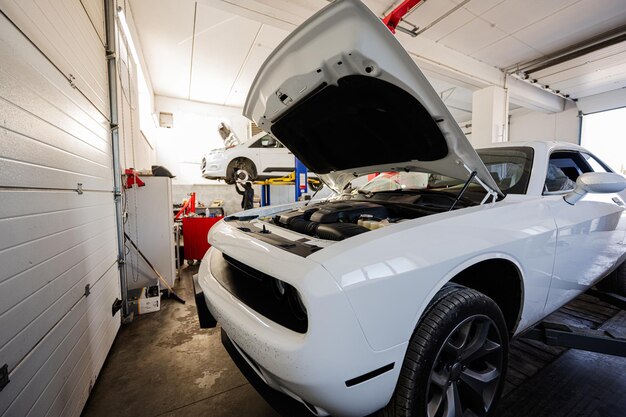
342,219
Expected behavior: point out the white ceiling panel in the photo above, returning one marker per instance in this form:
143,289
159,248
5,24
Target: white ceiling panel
219,53
267,40
513,15
429,11
448,25
585,91
163,27
473,36
606,57
505,52
478,7
592,79
576,23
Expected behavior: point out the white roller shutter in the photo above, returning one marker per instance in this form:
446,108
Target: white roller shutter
58,274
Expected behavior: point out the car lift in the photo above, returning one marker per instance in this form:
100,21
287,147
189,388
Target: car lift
609,338
299,178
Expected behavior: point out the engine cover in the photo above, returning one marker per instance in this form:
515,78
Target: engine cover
347,212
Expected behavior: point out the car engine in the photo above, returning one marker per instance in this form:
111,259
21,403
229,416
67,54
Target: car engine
336,220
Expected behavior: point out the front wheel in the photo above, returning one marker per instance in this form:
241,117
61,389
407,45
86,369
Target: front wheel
456,360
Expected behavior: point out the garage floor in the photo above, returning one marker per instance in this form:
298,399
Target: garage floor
163,364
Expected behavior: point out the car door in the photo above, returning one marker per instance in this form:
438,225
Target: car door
276,160
590,233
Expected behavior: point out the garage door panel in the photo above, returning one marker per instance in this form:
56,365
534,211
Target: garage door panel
95,11
88,325
29,81
19,259
72,396
24,174
63,31
32,228
71,401
26,323
31,152
20,121
19,203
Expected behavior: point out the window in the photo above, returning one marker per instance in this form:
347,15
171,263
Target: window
510,167
267,141
595,164
565,167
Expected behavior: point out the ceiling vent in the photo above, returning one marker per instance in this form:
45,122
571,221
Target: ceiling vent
166,120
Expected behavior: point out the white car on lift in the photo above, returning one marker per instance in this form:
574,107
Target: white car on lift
258,158
401,295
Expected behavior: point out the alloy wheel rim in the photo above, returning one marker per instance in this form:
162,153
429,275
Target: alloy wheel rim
463,381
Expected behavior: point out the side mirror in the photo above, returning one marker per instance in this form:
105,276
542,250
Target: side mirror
595,182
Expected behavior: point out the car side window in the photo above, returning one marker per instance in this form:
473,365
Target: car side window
266,141
564,168
257,144
595,164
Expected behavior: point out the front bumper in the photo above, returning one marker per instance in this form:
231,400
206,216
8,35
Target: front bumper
324,368
214,169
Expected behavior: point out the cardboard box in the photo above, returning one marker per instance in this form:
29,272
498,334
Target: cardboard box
144,300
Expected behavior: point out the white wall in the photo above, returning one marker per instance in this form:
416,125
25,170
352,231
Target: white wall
182,147
532,125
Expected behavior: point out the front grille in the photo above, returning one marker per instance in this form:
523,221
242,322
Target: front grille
260,292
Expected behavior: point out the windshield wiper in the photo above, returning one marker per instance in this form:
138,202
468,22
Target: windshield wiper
467,183
367,194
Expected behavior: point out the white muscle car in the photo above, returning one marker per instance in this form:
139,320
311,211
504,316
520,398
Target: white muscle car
401,295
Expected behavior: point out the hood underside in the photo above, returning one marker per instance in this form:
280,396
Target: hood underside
345,97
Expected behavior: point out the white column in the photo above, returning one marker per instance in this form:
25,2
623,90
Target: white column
490,111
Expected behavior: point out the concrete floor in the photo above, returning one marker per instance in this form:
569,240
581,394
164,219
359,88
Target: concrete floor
163,364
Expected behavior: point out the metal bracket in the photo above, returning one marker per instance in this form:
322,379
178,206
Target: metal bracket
558,334
79,188
117,306
87,290
609,297
4,376
71,79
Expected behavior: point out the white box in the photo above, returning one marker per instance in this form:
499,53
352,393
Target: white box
144,300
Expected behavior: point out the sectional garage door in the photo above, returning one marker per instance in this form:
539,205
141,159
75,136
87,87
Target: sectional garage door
58,274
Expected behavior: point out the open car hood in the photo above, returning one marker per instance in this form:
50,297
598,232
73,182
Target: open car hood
345,97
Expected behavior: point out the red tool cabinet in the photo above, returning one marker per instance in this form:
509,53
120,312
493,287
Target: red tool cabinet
195,233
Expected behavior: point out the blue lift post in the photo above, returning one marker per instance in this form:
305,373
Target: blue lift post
301,179
265,195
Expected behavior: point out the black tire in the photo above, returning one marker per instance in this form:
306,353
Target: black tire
240,169
615,282
460,347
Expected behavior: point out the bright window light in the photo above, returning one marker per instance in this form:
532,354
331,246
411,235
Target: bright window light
604,134
145,99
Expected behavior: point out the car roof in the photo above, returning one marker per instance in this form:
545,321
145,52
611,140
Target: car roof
540,146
